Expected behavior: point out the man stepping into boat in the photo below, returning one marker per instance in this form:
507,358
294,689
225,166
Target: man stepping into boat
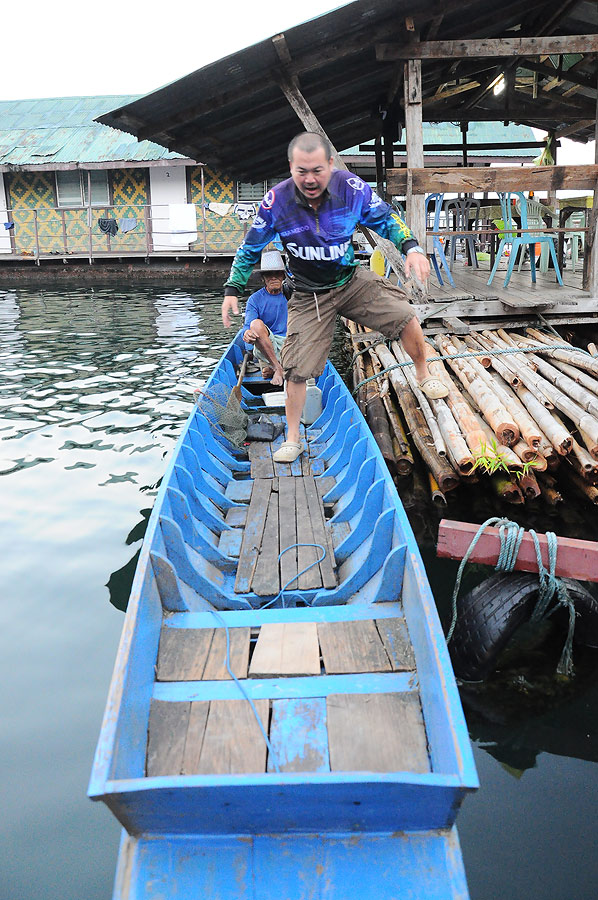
315,212
266,317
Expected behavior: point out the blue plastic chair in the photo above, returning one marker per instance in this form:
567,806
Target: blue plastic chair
437,248
518,241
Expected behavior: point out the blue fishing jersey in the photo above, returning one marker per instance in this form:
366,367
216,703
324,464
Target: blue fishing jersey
317,242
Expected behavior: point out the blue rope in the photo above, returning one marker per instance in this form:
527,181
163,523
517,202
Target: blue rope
302,572
550,586
246,696
551,589
495,520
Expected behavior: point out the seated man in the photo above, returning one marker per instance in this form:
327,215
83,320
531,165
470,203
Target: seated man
266,317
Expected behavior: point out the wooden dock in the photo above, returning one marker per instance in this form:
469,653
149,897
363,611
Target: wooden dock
474,305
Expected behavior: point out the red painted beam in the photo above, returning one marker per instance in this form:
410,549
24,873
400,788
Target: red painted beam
575,558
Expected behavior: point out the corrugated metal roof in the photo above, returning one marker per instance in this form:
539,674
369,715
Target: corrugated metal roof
62,131
233,115
477,133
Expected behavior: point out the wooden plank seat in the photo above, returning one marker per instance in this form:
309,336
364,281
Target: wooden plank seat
379,732
283,512
285,649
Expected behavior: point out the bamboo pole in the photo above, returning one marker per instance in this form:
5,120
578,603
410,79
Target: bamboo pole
423,402
550,454
461,410
588,490
401,448
375,416
529,486
527,455
573,356
443,472
528,427
566,385
437,496
506,489
561,401
496,361
548,488
506,430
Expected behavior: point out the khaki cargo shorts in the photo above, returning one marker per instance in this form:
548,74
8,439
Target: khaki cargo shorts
366,298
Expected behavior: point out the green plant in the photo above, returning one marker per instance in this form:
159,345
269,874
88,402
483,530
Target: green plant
492,460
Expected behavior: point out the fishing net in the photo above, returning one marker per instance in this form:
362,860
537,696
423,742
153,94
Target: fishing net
223,411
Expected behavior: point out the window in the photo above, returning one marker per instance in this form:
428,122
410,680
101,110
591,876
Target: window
247,191
72,188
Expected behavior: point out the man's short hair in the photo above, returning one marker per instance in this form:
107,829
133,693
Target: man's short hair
309,142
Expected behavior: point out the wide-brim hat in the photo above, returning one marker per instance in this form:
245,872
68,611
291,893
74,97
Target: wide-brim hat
271,262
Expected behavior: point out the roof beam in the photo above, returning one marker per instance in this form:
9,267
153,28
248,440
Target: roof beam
570,76
482,178
489,47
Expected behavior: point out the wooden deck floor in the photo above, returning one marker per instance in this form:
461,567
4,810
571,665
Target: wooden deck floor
473,282
521,303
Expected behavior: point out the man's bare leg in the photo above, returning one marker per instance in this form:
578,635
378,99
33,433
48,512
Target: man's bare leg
264,345
294,407
412,339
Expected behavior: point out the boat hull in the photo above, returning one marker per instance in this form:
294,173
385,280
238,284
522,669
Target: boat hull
179,814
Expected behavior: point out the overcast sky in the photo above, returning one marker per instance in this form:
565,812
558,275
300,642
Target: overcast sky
79,48
68,48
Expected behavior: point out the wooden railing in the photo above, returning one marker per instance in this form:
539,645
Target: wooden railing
419,182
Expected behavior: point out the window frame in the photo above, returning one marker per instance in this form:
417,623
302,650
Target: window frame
83,185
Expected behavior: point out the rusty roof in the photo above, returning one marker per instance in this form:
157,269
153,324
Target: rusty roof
60,132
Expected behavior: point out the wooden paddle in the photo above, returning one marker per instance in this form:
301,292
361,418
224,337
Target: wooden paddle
236,391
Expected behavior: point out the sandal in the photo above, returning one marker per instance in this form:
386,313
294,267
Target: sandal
288,452
434,388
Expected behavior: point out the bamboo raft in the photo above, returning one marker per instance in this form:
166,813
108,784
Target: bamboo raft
521,412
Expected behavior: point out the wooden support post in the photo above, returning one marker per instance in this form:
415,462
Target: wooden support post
380,172
414,140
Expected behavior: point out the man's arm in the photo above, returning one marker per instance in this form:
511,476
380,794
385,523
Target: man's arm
259,236
379,216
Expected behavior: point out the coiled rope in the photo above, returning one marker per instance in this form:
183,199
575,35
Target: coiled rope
550,586
499,351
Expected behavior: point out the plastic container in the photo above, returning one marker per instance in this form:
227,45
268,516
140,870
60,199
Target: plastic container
313,402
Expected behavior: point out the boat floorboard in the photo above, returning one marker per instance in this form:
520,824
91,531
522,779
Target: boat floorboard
282,513
359,731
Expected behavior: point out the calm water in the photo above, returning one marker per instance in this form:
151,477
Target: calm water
94,387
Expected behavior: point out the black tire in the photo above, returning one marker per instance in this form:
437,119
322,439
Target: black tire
490,614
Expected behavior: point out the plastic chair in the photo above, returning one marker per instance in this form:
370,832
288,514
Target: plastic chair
576,219
535,219
436,201
464,212
518,241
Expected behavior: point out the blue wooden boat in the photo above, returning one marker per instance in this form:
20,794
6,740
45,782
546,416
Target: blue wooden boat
282,726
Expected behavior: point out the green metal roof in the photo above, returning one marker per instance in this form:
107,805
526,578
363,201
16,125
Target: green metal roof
477,133
61,131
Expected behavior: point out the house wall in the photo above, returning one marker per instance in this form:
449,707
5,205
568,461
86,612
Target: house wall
5,245
62,232
224,233
130,196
